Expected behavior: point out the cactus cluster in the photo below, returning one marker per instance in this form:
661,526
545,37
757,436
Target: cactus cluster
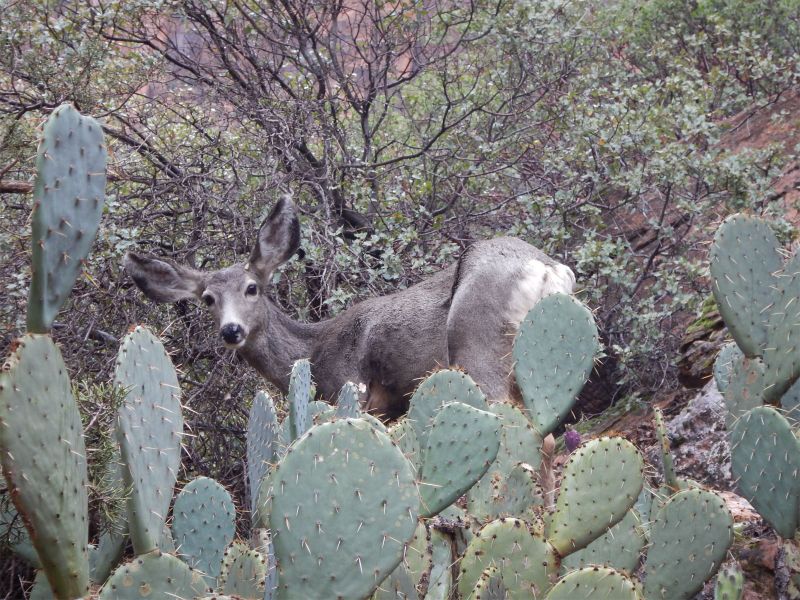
757,293
341,506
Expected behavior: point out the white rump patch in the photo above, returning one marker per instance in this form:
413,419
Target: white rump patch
536,281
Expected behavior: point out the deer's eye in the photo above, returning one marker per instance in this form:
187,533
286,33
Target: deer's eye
251,290
208,299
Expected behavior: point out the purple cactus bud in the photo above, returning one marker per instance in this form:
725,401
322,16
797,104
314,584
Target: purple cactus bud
572,439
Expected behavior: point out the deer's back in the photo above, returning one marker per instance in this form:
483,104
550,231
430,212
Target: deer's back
465,315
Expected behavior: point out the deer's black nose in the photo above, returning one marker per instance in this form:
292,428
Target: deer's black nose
232,333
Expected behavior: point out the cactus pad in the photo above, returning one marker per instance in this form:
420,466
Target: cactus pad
345,505
790,403
149,430
40,590
601,482
266,494
745,388
154,575
765,460
689,538
320,412
403,434
595,582
440,581
554,354
782,352
730,584
489,586
347,402
744,258
399,584
416,564
525,562
514,494
519,443
462,443
244,573
203,524
67,205
666,456
299,396
44,460
619,548
728,355
443,386
106,555
262,433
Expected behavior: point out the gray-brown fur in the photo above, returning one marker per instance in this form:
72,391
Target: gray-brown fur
462,316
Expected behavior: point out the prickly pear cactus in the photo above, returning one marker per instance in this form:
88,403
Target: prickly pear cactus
595,582
111,546
554,354
153,575
765,461
67,205
399,584
745,389
728,355
790,403
262,434
44,460
406,579
440,580
299,396
744,256
666,456
244,573
489,586
601,482
149,430
203,524
345,505
518,492
730,584
618,548
443,386
525,562
462,443
689,538
266,494
262,543
347,402
782,352
40,590
489,498
321,412
402,434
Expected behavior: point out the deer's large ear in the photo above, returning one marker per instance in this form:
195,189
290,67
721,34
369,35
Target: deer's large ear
163,280
278,239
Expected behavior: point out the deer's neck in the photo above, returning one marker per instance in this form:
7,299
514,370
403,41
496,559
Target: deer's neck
278,343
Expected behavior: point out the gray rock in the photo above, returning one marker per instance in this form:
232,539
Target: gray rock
700,441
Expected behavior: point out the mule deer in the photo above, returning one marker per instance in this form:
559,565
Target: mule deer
465,315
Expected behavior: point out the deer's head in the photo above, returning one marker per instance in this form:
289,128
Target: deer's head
234,295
